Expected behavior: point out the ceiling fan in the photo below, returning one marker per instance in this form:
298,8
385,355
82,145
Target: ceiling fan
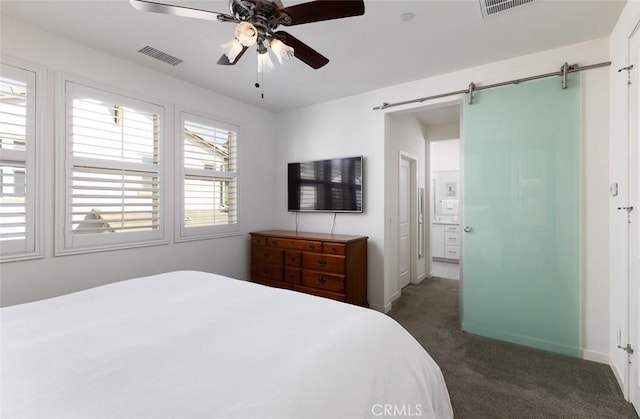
257,21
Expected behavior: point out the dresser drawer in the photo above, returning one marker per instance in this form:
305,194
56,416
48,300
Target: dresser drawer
308,245
257,240
451,238
292,258
272,283
323,281
267,255
334,248
292,275
267,270
452,252
322,262
321,293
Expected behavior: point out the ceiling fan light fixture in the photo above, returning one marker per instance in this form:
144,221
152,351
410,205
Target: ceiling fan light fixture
265,64
282,51
246,34
232,49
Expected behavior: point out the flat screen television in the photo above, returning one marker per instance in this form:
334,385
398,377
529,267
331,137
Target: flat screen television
333,185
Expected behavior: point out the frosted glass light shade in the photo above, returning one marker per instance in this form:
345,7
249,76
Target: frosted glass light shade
232,49
282,51
265,64
246,34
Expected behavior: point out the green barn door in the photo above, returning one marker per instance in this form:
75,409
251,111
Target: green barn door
521,212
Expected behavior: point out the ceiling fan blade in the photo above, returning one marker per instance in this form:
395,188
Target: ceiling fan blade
224,60
318,10
169,9
302,51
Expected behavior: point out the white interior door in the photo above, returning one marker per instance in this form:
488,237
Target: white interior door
634,221
404,221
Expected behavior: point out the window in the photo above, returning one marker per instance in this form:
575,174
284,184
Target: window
208,185
20,184
112,171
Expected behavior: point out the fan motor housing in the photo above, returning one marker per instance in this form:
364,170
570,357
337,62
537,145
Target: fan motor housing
265,11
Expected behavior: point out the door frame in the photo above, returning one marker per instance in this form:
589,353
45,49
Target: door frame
632,373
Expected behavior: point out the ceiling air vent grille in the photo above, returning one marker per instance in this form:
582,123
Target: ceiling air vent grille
159,55
491,7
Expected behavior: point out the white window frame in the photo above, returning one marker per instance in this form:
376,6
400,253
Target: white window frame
66,241
184,233
32,246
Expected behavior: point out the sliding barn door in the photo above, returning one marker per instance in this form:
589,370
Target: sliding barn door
521,212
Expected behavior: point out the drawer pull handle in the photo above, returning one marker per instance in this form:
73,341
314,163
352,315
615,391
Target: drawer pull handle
322,280
266,254
322,262
312,246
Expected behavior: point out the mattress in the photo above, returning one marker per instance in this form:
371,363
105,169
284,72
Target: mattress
191,344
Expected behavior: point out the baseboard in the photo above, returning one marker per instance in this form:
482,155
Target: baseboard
421,278
383,309
395,297
618,376
595,357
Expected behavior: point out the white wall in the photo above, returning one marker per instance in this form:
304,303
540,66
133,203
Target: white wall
618,170
50,276
350,126
445,155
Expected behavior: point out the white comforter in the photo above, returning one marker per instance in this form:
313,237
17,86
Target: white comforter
196,345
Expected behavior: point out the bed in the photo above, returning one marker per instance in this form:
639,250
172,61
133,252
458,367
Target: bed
191,344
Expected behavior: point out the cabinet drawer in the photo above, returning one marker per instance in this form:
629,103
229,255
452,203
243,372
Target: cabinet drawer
292,275
272,283
452,228
292,258
267,270
258,240
334,248
267,255
312,246
451,238
323,281
323,262
452,252
321,293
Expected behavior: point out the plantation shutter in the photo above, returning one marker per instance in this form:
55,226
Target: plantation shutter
209,183
113,169
17,153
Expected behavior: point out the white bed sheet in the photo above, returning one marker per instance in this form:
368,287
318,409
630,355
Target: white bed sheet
195,345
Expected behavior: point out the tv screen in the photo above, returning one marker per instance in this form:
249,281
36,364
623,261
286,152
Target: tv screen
333,185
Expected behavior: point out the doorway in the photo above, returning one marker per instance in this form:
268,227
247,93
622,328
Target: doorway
444,158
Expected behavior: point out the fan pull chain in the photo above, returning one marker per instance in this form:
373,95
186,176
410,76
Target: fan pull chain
260,83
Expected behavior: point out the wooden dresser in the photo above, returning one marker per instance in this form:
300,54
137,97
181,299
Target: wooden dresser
328,265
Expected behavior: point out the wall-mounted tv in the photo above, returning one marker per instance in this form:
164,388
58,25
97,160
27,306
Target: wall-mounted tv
333,185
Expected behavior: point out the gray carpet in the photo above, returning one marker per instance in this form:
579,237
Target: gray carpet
492,379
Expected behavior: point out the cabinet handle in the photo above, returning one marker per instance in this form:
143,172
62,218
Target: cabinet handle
266,254
322,280
312,246
322,262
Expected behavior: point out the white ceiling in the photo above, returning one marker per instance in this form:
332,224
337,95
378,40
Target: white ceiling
366,52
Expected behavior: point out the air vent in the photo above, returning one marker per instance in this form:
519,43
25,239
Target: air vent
159,55
491,7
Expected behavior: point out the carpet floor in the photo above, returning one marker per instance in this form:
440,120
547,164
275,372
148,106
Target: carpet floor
492,379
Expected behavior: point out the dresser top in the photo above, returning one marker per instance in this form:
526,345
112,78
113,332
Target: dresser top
309,236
